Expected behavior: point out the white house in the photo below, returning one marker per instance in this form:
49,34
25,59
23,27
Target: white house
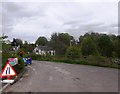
44,50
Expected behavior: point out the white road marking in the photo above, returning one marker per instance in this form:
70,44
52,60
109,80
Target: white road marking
50,78
30,83
62,71
21,79
31,68
49,66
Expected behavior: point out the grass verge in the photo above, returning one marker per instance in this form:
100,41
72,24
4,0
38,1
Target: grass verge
82,62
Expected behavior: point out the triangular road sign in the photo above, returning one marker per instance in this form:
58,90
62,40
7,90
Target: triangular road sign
8,70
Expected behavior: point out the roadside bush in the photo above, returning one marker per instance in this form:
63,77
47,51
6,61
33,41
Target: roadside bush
41,57
73,53
91,60
5,56
105,45
35,57
24,54
49,57
20,66
88,47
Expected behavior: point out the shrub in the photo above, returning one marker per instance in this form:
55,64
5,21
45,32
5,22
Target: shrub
105,46
24,54
20,66
5,56
35,57
88,47
41,57
73,53
91,60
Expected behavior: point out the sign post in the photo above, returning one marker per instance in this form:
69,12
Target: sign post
8,71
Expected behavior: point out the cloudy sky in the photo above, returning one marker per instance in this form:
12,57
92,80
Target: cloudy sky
29,20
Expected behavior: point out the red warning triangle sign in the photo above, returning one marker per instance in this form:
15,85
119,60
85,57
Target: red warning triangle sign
8,70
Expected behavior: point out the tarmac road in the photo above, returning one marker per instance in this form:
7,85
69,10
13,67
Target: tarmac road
43,76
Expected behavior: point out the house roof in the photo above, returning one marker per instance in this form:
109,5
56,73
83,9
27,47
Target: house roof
44,47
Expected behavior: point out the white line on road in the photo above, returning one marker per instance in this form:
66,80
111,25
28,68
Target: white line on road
30,83
50,78
31,68
62,71
59,70
21,79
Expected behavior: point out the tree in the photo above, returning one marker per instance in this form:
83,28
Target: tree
80,40
26,43
25,47
94,36
4,36
17,42
88,47
73,52
41,41
60,42
105,45
115,42
31,47
65,38
3,39
118,46
28,47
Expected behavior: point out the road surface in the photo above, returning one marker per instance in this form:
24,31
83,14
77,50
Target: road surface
43,76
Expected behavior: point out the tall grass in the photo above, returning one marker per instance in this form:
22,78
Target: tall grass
90,60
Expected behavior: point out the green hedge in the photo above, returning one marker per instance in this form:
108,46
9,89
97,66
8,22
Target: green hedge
5,56
19,67
91,60
41,57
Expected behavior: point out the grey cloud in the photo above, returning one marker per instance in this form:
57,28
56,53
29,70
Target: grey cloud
20,19
98,27
114,25
11,7
18,10
85,26
72,22
12,12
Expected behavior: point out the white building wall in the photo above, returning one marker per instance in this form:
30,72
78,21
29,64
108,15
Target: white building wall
43,52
